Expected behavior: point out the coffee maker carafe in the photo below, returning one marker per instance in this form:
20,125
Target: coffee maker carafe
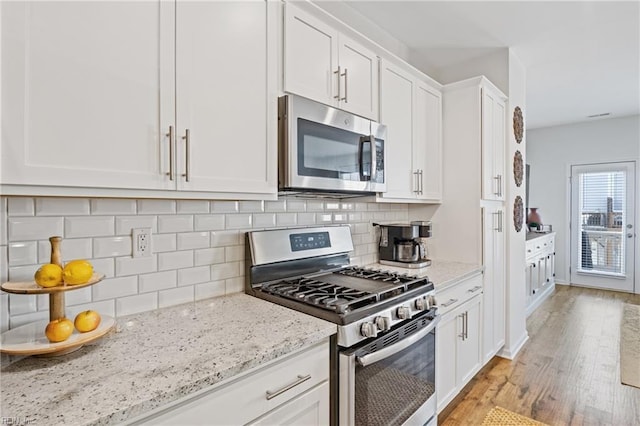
404,245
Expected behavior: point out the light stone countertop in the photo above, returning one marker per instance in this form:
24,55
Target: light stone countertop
154,358
442,273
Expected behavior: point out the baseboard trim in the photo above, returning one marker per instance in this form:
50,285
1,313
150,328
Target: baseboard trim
540,298
510,353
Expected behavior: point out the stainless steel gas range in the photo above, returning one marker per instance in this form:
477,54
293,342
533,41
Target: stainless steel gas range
383,357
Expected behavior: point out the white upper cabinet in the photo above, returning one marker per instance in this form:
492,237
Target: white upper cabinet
411,108
325,65
99,95
493,143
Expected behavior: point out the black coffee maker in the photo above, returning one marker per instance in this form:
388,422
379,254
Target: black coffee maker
404,245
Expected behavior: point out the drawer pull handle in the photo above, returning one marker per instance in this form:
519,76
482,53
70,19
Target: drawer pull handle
301,379
473,290
449,303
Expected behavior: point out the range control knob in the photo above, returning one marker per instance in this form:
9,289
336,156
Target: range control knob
421,304
403,312
383,323
368,329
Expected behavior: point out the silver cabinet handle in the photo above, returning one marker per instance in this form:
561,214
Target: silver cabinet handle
466,325
344,74
474,289
187,141
449,303
301,379
170,135
461,335
337,73
417,181
500,213
421,181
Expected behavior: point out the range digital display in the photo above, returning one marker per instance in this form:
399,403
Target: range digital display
309,241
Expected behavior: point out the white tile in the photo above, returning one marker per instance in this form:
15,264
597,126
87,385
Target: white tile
163,242
354,217
287,219
125,224
210,289
71,248
225,270
224,206
3,220
372,207
156,206
18,320
20,206
23,253
110,288
331,205
324,218
209,256
175,296
234,285
226,238
233,253
296,206
361,207
315,206
4,312
347,206
157,281
136,304
175,223
252,206
90,226
42,301
208,222
193,206
105,266
175,260
193,240
264,220
62,206
112,246
22,273
77,297
339,218
4,266
105,307
34,228
135,266
275,206
361,228
238,221
306,218
109,206
195,275
22,304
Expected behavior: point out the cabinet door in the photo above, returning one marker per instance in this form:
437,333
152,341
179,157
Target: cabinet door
427,142
358,81
468,351
493,137
446,336
310,409
310,57
87,93
225,98
397,113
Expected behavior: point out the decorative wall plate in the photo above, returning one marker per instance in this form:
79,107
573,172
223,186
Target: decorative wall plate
518,124
518,168
518,213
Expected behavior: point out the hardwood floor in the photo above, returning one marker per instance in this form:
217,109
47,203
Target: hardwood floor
568,373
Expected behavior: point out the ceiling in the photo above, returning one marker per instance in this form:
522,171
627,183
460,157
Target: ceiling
581,58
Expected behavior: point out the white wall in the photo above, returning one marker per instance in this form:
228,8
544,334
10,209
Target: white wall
552,150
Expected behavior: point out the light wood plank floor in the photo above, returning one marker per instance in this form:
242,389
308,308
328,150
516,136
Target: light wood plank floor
568,373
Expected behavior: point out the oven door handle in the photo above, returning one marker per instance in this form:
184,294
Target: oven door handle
383,353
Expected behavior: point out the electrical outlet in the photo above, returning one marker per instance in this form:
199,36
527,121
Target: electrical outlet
141,239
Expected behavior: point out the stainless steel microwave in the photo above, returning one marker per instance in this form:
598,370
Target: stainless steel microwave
327,150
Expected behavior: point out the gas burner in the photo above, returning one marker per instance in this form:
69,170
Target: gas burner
377,275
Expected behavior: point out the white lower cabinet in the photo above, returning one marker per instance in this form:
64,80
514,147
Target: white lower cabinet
458,338
290,390
540,272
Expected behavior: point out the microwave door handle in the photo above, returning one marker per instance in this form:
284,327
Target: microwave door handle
374,158
383,353
363,140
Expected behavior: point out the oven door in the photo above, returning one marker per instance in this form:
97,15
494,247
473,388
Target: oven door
324,148
390,380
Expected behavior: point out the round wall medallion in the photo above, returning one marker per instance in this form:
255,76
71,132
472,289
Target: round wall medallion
518,213
518,124
518,168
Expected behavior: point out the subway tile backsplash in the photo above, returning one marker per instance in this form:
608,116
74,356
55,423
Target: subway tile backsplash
198,247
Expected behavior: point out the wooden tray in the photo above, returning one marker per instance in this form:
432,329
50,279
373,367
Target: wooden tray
25,287
29,339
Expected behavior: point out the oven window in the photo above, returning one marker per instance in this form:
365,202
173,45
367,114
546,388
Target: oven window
325,151
389,391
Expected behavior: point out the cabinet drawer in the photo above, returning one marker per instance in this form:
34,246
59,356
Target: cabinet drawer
455,295
251,395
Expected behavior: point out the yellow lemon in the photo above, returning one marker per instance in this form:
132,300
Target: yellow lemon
77,272
49,275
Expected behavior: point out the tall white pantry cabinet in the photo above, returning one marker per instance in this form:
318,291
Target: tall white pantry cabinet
140,95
